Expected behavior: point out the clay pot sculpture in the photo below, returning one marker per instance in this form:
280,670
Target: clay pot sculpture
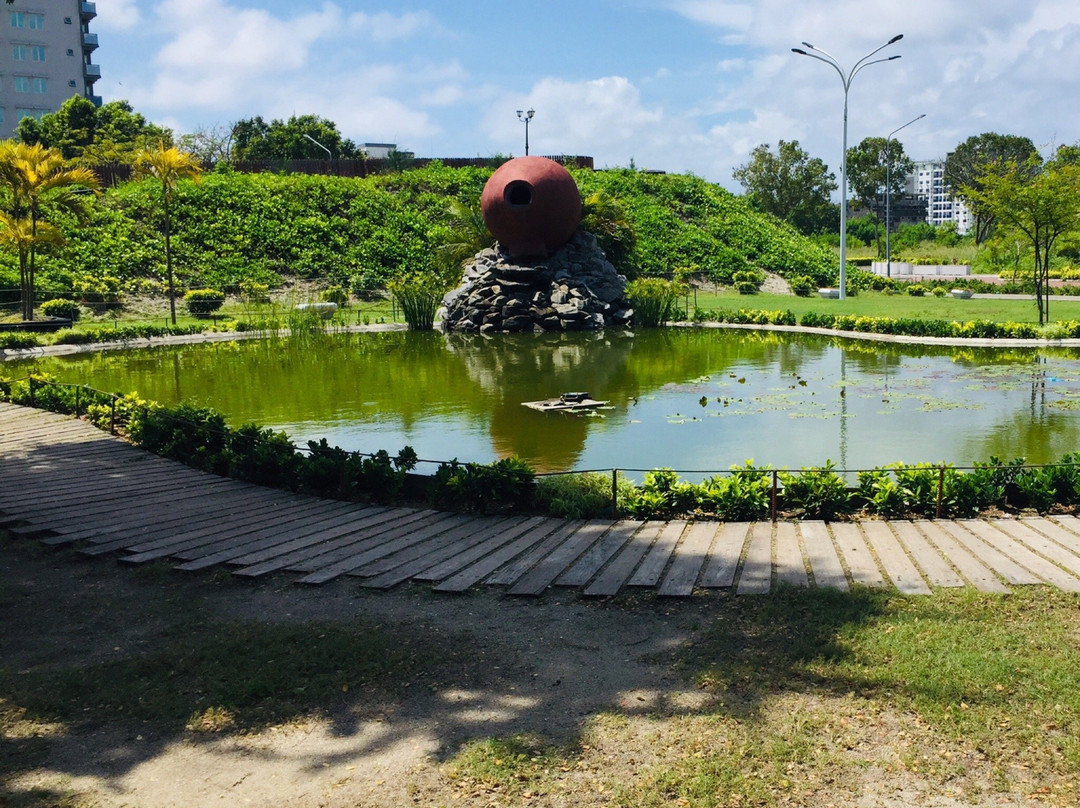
532,206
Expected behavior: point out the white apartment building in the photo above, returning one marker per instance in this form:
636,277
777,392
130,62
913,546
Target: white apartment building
927,182
45,58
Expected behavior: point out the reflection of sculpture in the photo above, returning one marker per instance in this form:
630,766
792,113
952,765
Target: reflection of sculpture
546,275
532,206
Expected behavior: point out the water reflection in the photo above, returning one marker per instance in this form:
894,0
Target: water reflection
687,398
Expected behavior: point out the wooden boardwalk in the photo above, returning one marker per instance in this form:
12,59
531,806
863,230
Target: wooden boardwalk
70,484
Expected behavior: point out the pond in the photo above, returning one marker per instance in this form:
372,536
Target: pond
692,399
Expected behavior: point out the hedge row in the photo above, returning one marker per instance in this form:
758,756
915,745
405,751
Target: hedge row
199,437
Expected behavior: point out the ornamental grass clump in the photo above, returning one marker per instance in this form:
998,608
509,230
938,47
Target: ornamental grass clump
419,296
654,300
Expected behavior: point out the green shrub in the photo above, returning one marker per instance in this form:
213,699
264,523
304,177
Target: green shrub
654,301
939,291
202,302
579,496
61,307
816,493
743,495
335,294
506,484
419,294
916,290
15,341
803,286
254,292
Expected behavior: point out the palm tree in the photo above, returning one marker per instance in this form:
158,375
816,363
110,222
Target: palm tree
40,183
168,166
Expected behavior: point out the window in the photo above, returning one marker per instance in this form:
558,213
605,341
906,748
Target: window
29,113
37,53
22,84
41,86
18,53
17,20
71,83
35,22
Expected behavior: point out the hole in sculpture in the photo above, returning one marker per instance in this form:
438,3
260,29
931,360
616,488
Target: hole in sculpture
518,193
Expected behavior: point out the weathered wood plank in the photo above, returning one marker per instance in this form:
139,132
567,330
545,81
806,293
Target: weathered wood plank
460,534
860,561
512,571
1063,547
1004,566
350,547
688,560
756,577
475,571
790,564
540,577
599,554
614,575
901,569
977,574
1016,541
937,569
821,553
648,574
726,553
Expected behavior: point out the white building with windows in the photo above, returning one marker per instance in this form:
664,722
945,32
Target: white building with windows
45,58
927,182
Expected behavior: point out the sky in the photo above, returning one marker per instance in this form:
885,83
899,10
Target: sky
671,85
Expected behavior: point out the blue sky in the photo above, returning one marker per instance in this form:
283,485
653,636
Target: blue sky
676,85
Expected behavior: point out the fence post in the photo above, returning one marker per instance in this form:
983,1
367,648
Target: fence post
940,488
33,401
78,389
614,493
112,417
774,495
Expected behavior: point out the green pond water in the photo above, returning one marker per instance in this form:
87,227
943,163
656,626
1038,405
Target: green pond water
692,399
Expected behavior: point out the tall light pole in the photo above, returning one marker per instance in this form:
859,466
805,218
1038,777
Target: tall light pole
888,193
321,146
526,116
845,78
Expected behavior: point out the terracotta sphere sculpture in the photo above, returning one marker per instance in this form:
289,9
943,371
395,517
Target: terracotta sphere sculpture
531,205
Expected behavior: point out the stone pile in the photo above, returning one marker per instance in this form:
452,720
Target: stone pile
574,289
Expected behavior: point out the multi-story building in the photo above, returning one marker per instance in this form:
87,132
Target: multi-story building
45,58
927,181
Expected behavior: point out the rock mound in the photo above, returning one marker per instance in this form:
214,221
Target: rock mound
574,289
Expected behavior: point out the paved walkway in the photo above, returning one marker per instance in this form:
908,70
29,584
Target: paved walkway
71,484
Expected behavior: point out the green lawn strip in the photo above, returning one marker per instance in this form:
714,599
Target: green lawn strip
875,304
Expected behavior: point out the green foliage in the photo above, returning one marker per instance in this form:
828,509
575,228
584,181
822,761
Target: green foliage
790,185
419,295
335,294
12,340
485,487
916,290
654,300
202,302
802,286
744,494
815,493
909,326
93,135
61,307
579,496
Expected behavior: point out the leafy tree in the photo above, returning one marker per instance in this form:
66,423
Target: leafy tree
790,185
168,166
605,217
255,139
39,184
872,165
1041,202
979,156
93,135
210,144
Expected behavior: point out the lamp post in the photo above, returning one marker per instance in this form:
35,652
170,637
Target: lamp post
888,193
526,116
329,156
845,78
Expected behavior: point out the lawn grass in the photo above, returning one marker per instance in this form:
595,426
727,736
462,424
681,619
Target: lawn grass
876,304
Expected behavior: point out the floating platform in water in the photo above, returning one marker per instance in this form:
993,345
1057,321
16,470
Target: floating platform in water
566,402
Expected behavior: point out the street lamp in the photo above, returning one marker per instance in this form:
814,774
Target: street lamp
830,60
321,146
526,116
888,193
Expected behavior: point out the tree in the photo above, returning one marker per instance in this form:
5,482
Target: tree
978,156
168,166
212,144
93,135
38,183
255,139
790,185
1041,202
876,167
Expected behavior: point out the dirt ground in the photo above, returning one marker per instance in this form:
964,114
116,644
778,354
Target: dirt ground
576,674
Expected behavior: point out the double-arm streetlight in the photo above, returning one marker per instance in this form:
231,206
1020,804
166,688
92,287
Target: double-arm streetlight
526,116
845,78
888,192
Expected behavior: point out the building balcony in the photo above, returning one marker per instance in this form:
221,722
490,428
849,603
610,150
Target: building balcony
87,10
94,99
92,72
89,42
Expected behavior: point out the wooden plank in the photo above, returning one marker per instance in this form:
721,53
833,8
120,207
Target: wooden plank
1068,543
860,561
648,574
416,533
350,548
486,536
1071,526
977,574
1018,540
599,554
460,535
1004,566
540,577
689,559
821,553
901,569
549,534
510,572
725,555
612,578
756,577
937,569
790,565
347,522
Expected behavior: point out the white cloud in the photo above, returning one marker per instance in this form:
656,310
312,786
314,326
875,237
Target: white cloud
117,15
384,26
